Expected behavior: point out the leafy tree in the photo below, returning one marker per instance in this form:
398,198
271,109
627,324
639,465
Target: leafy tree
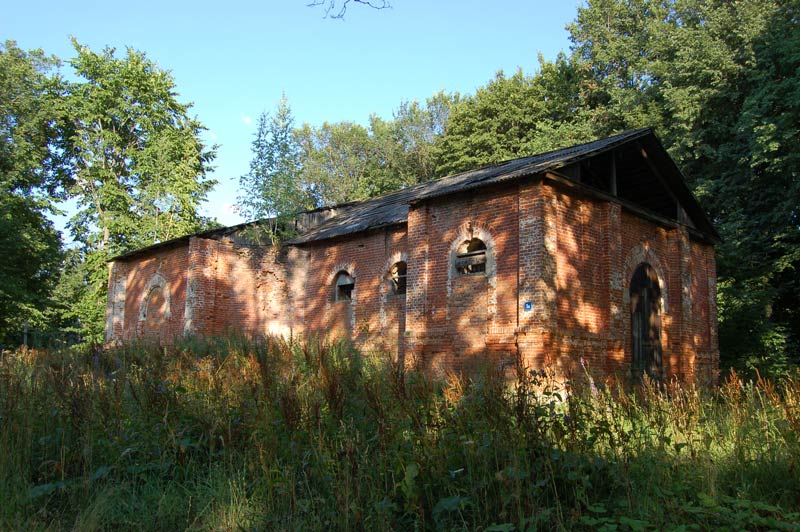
336,161
410,139
31,173
345,161
272,189
617,49
513,117
31,251
759,179
138,163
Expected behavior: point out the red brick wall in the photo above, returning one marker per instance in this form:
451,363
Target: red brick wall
374,317
452,320
238,287
555,291
582,286
167,269
704,312
644,242
236,292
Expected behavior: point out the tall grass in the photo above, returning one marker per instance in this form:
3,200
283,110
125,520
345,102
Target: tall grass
234,434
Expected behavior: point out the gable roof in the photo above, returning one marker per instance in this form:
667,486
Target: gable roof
392,209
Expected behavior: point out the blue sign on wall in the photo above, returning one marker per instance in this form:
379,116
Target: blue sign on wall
528,306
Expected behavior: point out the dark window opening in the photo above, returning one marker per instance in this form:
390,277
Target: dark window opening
397,278
344,287
471,257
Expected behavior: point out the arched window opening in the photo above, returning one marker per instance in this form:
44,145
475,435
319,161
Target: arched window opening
397,278
343,290
471,257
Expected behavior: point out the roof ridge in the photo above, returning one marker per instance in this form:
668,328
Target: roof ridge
384,210
618,136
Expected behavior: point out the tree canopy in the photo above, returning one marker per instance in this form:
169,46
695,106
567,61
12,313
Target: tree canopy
272,189
119,143
293,169
32,177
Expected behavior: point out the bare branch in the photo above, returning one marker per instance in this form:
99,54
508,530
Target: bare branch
337,8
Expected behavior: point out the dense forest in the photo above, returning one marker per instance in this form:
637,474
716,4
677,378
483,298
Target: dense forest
718,81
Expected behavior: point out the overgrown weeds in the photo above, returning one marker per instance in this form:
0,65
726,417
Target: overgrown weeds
231,433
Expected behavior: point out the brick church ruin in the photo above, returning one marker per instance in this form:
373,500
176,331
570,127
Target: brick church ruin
598,251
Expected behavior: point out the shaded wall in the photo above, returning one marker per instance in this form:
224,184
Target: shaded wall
158,277
374,317
457,321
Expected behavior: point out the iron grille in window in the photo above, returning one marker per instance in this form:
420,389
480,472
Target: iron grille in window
344,287
471,257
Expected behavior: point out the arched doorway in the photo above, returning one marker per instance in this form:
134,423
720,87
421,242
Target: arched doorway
645,295
154,318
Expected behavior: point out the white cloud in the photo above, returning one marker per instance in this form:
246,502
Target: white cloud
247,120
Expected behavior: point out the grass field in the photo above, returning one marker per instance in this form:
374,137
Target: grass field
231,434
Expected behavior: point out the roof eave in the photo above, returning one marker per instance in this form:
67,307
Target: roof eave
177,241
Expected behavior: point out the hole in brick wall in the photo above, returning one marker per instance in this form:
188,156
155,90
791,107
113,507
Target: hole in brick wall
471,257
397,278
345,285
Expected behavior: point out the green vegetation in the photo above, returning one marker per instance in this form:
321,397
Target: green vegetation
31,179
294,169
139,170
230,434
119,144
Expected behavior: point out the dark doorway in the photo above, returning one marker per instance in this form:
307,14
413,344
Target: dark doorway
646,322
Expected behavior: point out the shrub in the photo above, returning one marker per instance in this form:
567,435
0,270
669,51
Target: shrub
234,433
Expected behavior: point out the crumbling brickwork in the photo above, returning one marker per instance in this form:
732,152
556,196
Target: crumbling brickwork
147,297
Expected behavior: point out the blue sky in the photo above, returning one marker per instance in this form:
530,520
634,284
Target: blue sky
234,59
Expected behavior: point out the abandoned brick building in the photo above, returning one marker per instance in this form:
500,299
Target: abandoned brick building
598,251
